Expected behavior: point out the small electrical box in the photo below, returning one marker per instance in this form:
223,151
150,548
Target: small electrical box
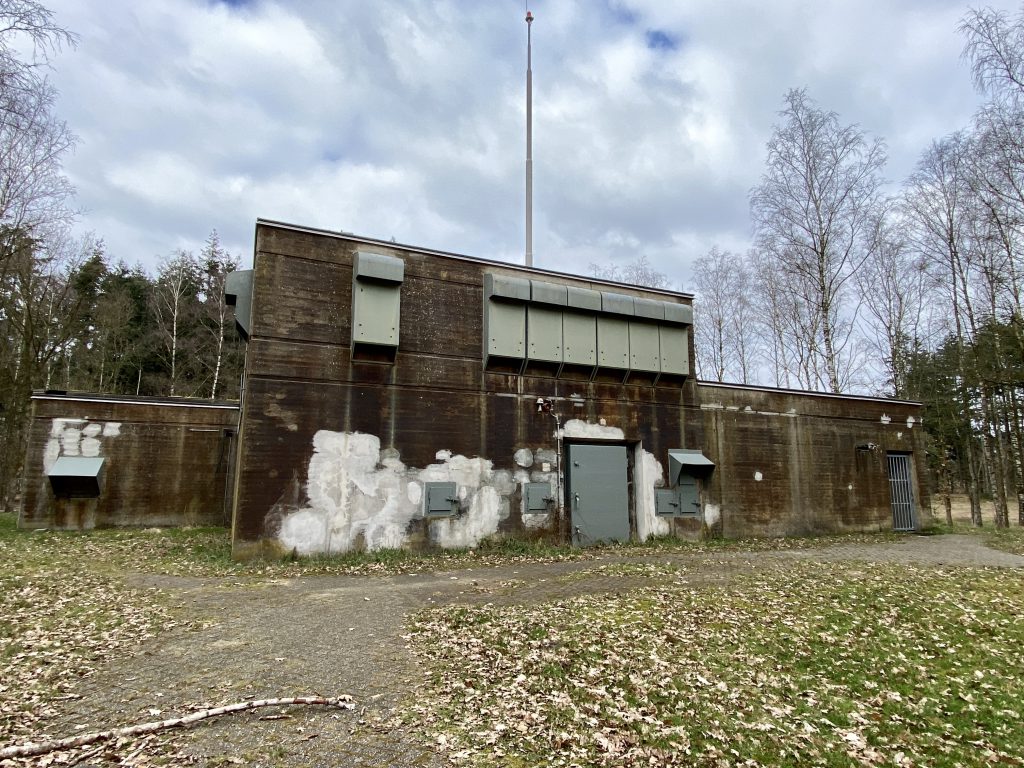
666,502
536,497
440,500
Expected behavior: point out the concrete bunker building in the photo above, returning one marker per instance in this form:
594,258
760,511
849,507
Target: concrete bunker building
402,397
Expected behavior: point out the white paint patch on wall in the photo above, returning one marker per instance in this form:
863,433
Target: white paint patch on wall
712,514
577,428
77,437
356,496
647,474
467,530
524,457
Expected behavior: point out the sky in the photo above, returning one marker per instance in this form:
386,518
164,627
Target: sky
405,119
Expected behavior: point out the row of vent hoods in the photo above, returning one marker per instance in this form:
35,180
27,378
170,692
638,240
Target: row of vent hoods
507,288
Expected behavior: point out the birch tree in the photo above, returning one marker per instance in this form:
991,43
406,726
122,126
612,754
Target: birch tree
174,308
895,287
813,213
723,324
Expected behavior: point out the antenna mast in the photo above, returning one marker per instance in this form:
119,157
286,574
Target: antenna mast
529,141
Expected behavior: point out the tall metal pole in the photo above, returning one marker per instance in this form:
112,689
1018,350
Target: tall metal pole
529,141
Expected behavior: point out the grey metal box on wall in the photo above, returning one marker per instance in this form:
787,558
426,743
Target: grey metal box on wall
666,502
504,330
377,266
440,499
544,333
548,293
649,309
376,299
376,310
617,304
612,342
584,298
579,338
536,497
505,316
675,349
644,347
76,476
505,287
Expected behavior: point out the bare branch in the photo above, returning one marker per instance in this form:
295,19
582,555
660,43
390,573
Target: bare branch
42,748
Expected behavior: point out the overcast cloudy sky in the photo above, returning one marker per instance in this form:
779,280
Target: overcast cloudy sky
405,118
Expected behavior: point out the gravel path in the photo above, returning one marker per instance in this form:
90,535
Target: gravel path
343,634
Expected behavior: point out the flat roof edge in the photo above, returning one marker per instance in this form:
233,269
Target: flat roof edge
806,392
170,402
463,257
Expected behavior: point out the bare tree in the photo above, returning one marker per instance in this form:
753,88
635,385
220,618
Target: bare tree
813,214
724,324
34,196
638,272
174,307
33,190
895,285
995,48
938,202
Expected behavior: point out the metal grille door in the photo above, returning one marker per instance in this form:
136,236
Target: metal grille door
902,491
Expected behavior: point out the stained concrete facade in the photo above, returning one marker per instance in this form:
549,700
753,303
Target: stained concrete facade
339,446
797,463
161,461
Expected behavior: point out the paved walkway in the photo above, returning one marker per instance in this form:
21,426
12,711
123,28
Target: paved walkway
343,634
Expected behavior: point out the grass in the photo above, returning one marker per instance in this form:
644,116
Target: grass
206,552
807,664
1006,539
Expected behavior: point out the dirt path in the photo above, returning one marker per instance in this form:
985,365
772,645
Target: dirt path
343,634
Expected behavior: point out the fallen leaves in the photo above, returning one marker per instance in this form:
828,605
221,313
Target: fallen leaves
794,665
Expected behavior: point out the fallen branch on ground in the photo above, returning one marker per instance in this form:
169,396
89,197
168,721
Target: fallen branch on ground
42,748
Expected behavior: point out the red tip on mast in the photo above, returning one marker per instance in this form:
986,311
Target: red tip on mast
529,17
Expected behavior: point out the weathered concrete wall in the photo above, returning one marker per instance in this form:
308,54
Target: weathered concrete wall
167,460
788,463
334,451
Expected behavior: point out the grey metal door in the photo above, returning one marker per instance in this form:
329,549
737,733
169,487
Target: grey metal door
901,489
598,493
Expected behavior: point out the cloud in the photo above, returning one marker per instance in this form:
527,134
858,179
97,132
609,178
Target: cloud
406,118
